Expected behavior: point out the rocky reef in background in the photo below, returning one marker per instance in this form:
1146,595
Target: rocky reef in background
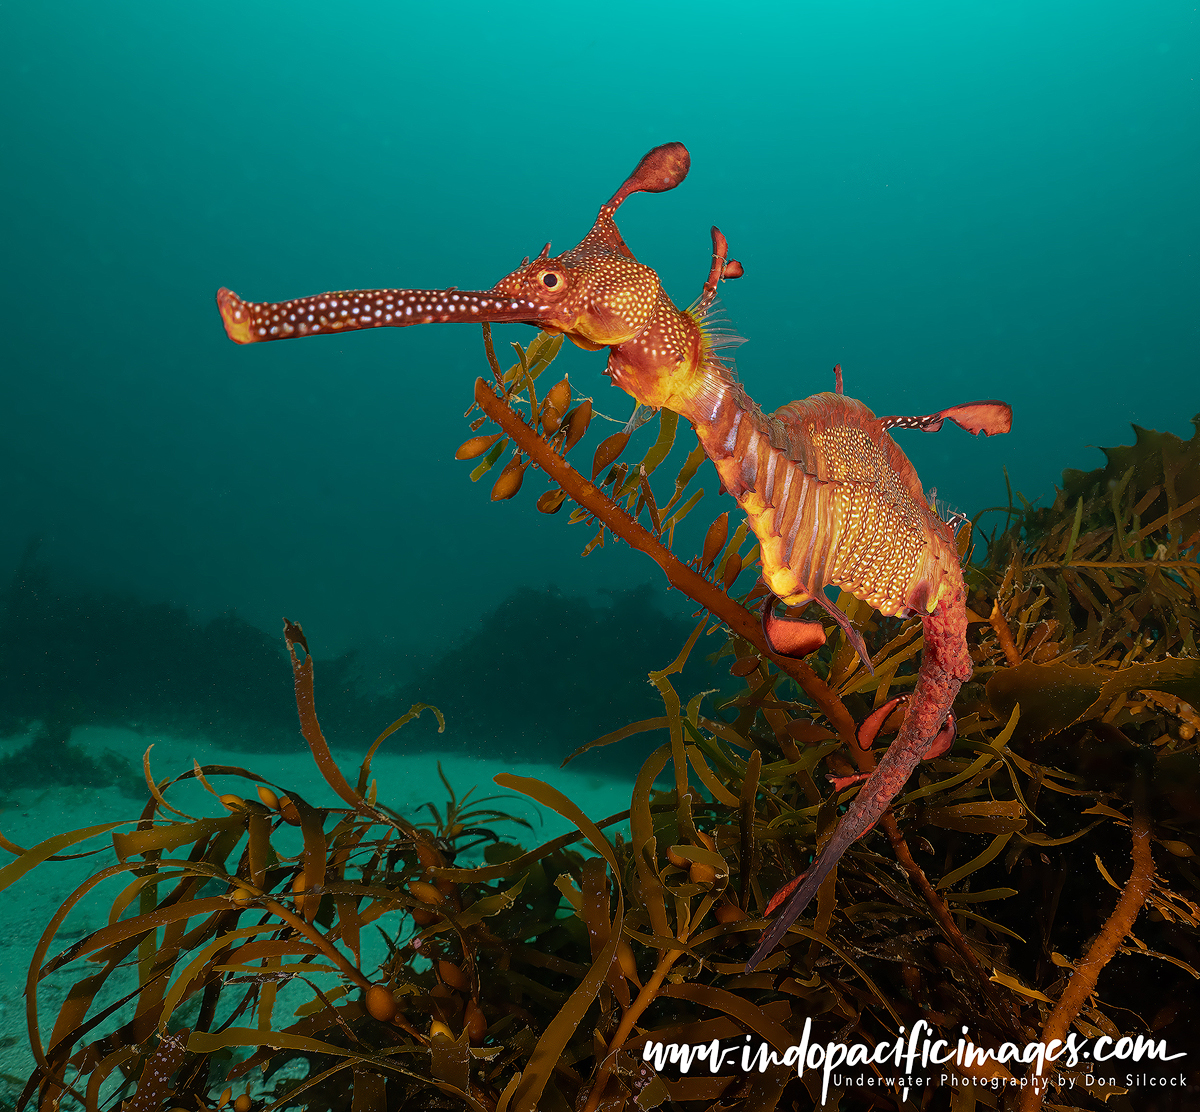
539,676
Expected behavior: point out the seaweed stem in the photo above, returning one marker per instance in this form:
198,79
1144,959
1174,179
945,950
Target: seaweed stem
310,728
945,920
1009,512
865,760
302,671
318,939
632,1014
490,348
1116,564
683,578
1118,925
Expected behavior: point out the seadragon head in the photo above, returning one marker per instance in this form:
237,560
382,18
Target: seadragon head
597,295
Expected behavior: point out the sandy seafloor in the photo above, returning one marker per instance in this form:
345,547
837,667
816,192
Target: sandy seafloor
31,815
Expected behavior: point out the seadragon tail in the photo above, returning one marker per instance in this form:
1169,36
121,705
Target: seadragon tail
945,666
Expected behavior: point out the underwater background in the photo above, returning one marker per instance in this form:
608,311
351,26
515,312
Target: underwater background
952,201
993,200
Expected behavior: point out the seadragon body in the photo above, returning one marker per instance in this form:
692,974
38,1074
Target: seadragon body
831,498
834,501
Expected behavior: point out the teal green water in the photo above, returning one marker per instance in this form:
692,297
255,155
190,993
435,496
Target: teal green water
954,201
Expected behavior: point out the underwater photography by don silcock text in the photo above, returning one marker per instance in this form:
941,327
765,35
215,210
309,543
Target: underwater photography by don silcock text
856,767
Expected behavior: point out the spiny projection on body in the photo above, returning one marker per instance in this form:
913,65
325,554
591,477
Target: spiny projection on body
830,496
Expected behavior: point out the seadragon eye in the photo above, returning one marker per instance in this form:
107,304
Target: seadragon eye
551,279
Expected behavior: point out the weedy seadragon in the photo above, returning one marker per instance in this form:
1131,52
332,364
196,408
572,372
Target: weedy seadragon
831,498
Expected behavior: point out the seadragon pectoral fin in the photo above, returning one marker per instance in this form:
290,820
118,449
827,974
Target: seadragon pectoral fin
852,634
790,636
797,637
989,418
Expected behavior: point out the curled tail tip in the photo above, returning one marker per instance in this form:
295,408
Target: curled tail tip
235,316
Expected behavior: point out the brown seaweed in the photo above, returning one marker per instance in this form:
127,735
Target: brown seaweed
536,979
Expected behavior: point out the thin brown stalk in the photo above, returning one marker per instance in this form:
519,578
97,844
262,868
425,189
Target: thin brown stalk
632,1014
490,348
686,579
682,577
865,760
1116,928
1000,625
945,921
